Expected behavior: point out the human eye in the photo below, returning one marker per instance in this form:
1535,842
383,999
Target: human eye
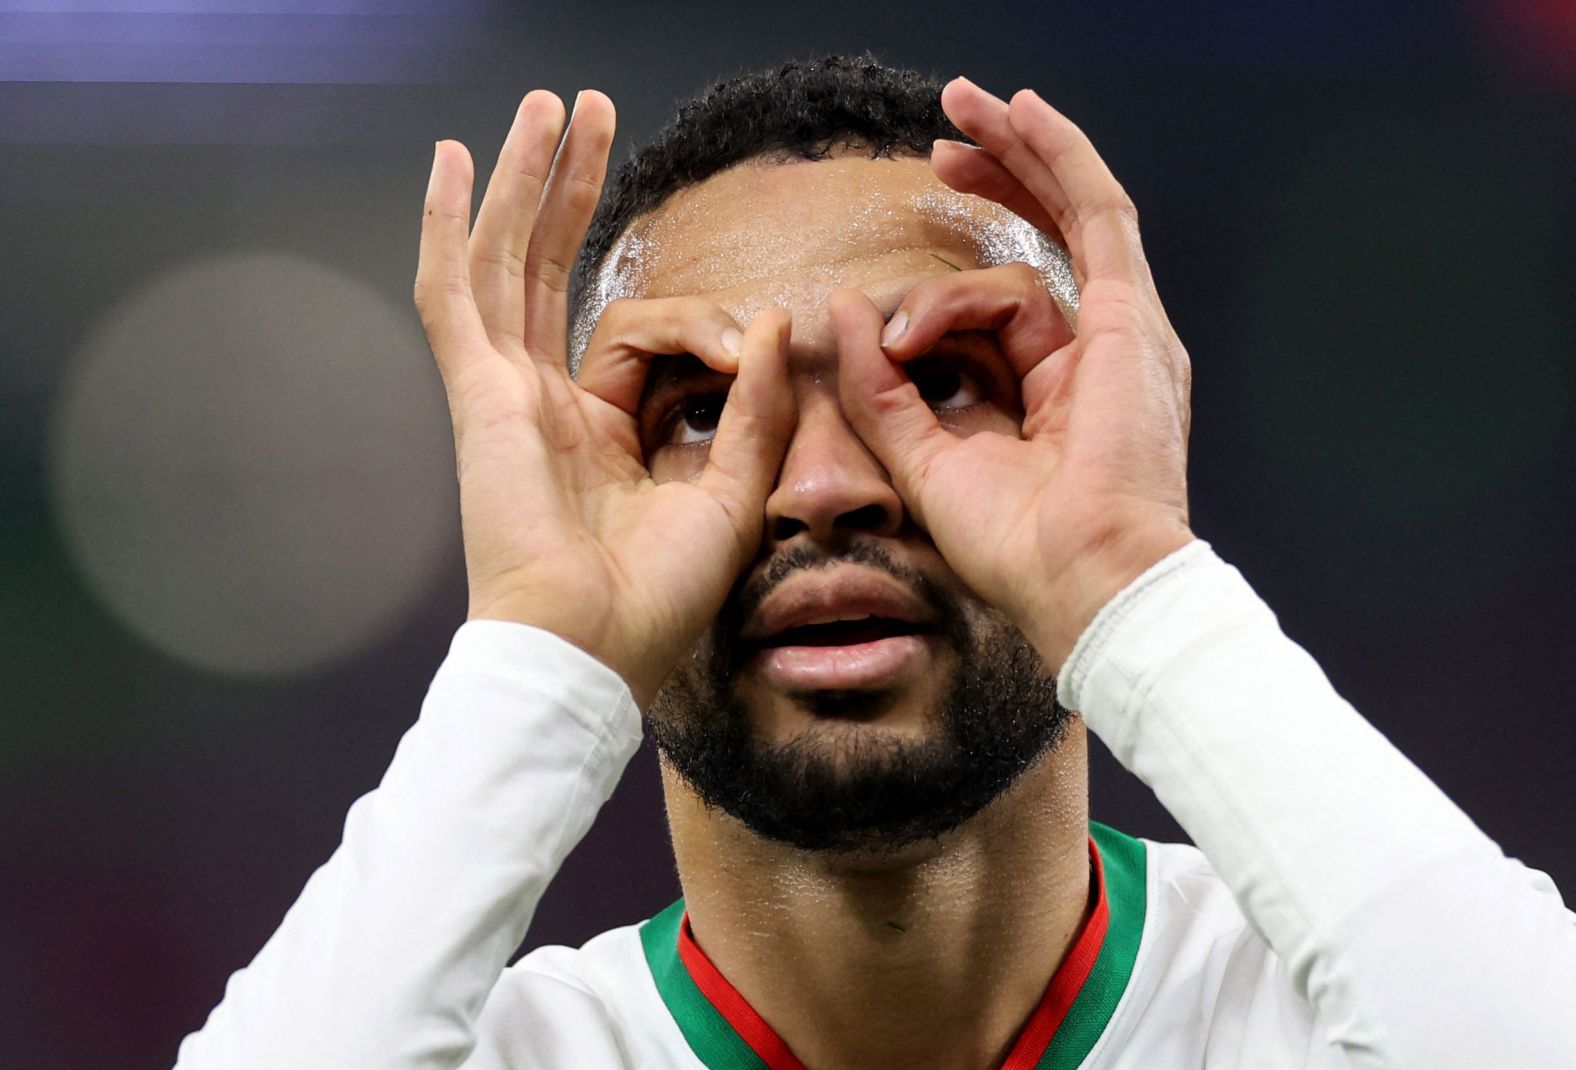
693,418
945,384
681,404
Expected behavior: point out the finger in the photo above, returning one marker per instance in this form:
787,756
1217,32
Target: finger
502,238
1045,151
1010,300
632,330
573,189
1101,216
443,289
971,169
881,403
983,117
752,435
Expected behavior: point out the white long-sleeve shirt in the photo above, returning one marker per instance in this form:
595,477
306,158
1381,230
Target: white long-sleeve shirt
1339,912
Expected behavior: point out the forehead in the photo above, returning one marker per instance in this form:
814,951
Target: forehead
768,233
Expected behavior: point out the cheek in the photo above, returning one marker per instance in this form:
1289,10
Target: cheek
690,689
682,465
977,418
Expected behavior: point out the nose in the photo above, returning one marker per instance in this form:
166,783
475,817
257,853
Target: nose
830,486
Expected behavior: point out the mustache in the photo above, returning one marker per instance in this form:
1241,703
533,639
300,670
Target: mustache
746,598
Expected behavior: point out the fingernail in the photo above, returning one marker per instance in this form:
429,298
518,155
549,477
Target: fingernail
732,341
894,328
576,105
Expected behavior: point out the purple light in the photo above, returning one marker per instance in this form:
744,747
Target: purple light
365,42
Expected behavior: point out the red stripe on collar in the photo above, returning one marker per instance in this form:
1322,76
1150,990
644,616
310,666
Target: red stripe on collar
1026,1051
1068,980
762,1038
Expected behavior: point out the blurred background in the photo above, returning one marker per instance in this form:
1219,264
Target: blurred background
229,556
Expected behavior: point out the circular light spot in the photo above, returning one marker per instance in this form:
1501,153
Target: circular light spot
251,464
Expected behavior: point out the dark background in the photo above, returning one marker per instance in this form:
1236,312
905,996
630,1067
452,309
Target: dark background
228,546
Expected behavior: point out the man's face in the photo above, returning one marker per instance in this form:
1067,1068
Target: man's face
852,693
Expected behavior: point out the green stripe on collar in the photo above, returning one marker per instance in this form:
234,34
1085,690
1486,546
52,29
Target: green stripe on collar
1123,860
1126,890
710,1036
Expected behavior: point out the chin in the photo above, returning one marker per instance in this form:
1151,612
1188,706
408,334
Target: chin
861,772
854,747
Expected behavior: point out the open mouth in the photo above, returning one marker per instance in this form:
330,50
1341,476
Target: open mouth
842,633
844,650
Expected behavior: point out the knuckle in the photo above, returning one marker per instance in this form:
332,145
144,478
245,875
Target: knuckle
1022,277
938,289
454,287
1122,207
551,271
695,308
581,193
629,322
671,315
531,179
505,258
430,294
1115,206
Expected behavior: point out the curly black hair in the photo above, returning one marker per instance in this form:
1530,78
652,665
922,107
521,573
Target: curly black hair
803,109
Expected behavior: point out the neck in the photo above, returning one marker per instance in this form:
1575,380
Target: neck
933,957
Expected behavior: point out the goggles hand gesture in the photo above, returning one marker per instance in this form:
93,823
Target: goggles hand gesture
1051,526
564,528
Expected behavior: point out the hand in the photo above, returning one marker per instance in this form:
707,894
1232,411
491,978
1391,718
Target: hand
564,527
1050,526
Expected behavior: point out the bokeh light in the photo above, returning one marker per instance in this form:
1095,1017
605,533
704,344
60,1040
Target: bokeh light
249,463
1533,40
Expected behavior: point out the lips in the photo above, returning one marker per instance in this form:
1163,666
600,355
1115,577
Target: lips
844,608
851,629
868,629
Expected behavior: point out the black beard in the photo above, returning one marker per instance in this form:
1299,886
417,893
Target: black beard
856,788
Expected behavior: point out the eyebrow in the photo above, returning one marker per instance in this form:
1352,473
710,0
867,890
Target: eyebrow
888,303
671,368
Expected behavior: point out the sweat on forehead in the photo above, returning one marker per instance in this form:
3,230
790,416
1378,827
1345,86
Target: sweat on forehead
788,233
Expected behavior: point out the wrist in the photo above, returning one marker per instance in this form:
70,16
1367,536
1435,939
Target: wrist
1092,579
588,631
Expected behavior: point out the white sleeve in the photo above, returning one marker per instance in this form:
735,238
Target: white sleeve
386,958
1421,945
